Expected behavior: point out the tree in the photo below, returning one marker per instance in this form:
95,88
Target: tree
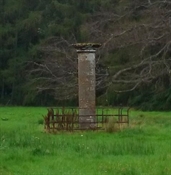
144,29
136,47
57,73
36,37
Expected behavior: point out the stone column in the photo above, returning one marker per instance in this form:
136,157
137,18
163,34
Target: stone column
87,84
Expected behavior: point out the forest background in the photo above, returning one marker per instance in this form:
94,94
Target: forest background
38,66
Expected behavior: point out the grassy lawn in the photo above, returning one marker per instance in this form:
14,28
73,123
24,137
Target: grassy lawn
144,148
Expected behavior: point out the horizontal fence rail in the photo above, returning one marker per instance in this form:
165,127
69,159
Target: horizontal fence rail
69,119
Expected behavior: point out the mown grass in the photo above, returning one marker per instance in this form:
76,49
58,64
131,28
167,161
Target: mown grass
142,148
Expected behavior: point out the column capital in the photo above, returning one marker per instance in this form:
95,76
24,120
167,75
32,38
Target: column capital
86,47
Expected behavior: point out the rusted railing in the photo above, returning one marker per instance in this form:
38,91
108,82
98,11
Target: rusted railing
68,119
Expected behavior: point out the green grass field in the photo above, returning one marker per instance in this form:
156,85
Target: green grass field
144,148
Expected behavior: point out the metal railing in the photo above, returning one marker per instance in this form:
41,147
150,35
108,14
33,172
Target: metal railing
69,119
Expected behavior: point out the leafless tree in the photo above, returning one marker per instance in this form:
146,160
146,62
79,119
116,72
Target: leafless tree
56,73
143,28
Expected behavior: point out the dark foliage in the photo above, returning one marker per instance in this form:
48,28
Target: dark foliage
33,31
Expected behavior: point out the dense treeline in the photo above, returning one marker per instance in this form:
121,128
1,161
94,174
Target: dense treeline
41,31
